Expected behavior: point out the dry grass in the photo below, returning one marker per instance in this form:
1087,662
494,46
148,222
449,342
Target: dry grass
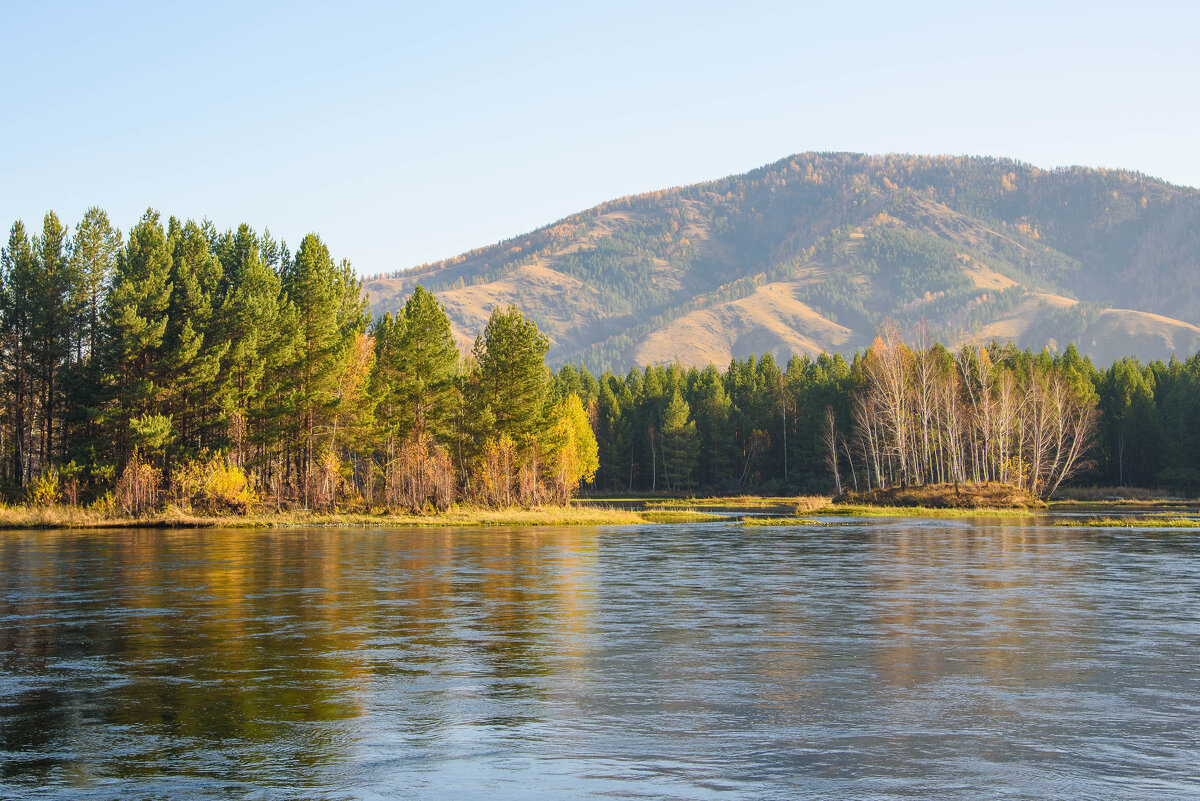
947,496
681,516
939,513
784,521
1132,522
721,502
810,503
21,517
771,318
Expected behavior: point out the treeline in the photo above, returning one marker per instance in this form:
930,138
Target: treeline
218,369
896,415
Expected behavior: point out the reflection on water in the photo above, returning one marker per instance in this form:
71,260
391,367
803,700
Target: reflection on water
909,659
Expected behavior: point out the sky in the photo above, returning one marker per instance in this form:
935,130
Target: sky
406,133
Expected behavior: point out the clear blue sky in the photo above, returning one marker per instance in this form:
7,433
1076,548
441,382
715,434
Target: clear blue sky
408,134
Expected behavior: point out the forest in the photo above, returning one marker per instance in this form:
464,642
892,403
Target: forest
896,414
219,371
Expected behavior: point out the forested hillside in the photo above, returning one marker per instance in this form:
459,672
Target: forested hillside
812,252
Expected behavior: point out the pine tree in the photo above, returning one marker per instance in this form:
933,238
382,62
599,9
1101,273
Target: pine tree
711,409
135,318
429,393
96,246
679,443
16,327
94,253
513,382
255,323
192,343
329,313
51,291
387,378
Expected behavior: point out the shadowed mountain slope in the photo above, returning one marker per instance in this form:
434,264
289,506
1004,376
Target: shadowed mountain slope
811,252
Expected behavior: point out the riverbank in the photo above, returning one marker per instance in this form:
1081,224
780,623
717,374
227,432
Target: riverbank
992,495
67,517
1145,521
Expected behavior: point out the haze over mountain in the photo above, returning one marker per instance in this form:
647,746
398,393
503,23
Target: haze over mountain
812,252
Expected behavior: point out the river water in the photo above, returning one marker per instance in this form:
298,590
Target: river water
881,660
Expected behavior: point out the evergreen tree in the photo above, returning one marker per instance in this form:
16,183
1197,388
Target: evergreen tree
16,324
135,318
52,290
94,253
513,383
96,247
428,394
329,314
193,345
711,409
679,443
261,341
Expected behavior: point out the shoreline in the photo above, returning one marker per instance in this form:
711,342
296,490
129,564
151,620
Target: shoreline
16,518
585,512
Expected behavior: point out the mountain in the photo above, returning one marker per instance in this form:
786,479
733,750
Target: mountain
812,252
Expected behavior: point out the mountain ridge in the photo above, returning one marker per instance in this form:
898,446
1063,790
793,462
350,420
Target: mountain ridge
811,252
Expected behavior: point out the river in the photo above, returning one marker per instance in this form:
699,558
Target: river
877,660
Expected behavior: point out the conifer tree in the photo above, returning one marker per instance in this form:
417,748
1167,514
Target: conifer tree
96,246
513,382
428,396
16,325
387,378
135,318
50,320
192,343
679,443
711,413
329,313
261,342
94,252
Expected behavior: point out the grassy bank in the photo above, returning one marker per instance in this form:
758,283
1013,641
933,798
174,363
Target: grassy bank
23,517
943,501
1148,521
859,510
721,502
991,495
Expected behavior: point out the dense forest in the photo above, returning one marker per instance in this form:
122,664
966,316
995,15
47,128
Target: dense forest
219,370
896,415
814,251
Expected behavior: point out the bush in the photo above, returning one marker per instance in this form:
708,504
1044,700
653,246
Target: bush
45,491
69,475
138,488
106,504
211,484
421,476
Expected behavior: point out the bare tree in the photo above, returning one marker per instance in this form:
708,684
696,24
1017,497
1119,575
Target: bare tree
829,438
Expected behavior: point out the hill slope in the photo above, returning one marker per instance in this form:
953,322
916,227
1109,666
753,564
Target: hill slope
811,252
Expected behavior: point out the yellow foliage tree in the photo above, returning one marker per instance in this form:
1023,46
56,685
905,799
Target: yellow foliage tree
574,454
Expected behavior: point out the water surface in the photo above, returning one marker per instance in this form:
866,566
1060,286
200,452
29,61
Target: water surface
888,659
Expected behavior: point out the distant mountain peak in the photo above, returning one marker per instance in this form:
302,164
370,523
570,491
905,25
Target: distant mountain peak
811,252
